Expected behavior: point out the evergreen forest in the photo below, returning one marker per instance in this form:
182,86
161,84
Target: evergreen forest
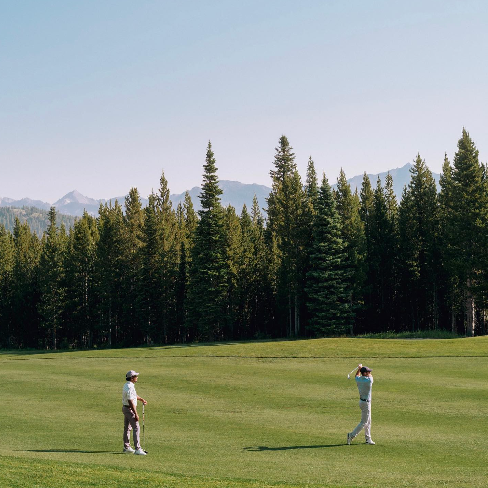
37,219
319,262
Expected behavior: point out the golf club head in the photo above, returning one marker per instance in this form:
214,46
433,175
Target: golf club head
348,376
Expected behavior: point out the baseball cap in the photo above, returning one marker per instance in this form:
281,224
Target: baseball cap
364,369
130,374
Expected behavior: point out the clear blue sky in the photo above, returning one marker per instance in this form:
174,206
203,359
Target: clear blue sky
103,95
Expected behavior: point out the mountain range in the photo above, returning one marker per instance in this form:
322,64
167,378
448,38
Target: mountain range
74,203
401,178
234,193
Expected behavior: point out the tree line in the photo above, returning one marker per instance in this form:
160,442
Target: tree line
36,218
321,262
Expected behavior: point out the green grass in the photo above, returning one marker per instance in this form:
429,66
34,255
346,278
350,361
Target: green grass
421,334
248,415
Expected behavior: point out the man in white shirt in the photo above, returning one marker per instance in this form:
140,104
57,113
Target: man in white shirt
131,418
364,381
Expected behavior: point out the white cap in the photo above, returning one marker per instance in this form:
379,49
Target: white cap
130,374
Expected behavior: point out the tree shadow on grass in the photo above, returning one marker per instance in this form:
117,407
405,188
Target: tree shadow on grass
78,451
289,448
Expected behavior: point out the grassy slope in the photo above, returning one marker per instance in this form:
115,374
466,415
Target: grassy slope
249,415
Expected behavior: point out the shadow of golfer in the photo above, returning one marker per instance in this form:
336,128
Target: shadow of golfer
289,448
79,451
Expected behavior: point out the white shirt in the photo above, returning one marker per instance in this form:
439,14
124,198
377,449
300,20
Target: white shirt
365,384
129,393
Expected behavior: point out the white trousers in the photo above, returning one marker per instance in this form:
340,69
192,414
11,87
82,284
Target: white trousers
365,420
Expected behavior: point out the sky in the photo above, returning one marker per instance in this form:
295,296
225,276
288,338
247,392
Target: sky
105,95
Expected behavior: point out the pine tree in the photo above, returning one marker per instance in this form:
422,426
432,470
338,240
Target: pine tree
311,185
131,267
80,280
109,264
309,213
191,218
187,222
286,224
244,278
234,250
25,330
366,211
51,267
327,281
207,306
6,284
419,253
448,279
151,283
169,261
182,293
262,271
383,248
352,233
392,239
466,227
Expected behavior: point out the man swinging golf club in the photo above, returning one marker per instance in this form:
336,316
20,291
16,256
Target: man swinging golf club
364,381
131,418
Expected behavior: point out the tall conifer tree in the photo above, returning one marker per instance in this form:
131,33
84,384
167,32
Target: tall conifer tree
328,279
207,306
51,275
25,288
286,223
109,275
366,211
448,278
419,253
383,250
6,284
352,232
187,221
131,268
263,273
467,224
151,286
234,254
80,280
169,260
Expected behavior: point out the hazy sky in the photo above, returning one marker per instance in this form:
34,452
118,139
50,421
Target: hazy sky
104,95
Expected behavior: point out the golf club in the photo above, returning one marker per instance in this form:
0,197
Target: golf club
143,430
348,377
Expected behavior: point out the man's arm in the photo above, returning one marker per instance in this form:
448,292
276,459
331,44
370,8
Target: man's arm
133,408
142,400
358,372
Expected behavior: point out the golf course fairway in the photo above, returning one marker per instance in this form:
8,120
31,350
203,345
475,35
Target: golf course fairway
255,414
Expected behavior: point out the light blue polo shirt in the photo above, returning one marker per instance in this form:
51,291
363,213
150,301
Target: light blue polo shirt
365,384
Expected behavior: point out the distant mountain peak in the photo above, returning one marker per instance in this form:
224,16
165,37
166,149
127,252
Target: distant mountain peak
401,178
24,202
75,197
